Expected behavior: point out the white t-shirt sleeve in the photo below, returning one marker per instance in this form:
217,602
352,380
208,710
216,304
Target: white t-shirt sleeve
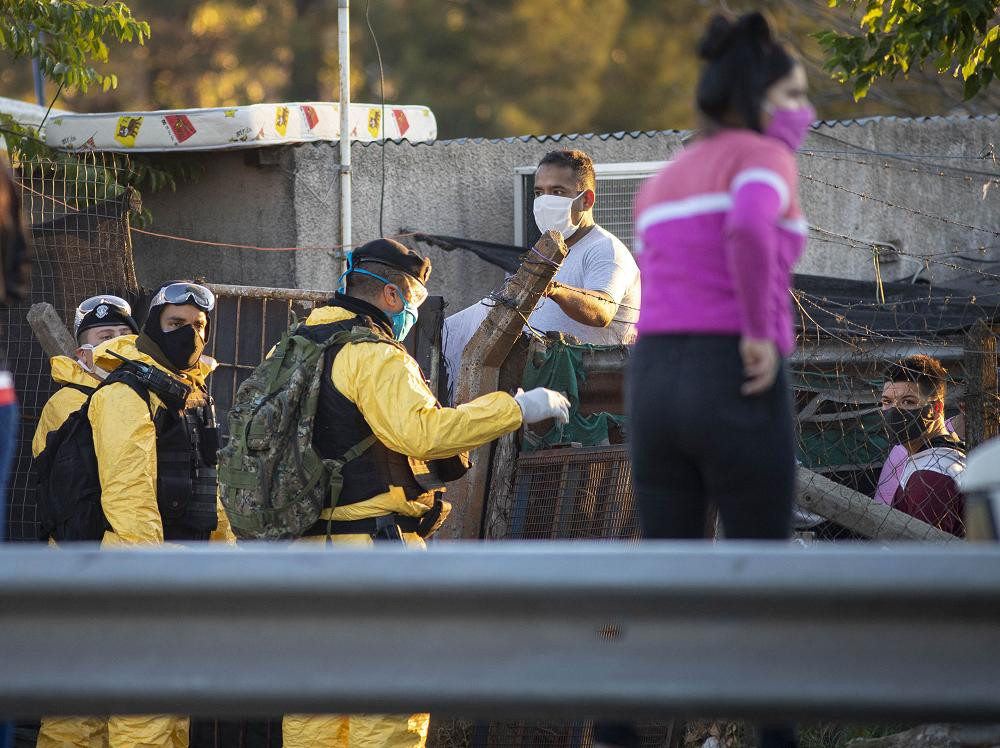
456,334
610,268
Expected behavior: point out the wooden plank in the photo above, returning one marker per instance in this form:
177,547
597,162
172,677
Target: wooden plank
982,412
479,372
861,514
52,334
845,415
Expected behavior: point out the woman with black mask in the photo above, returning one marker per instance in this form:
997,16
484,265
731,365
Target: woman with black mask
720,229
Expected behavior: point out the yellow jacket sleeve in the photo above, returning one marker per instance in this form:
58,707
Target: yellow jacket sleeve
224,532
386,385
125,443
56,411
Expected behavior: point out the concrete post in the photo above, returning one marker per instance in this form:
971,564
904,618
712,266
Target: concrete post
55,339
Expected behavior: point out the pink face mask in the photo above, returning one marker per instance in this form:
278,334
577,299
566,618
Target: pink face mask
791,125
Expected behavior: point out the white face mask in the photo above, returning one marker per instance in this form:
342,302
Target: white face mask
554,213
96,370
81,360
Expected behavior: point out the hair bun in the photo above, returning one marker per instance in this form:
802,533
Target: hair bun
722,34
753,27
717,37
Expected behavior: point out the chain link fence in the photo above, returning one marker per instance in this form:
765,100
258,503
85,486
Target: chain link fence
78,215
855,482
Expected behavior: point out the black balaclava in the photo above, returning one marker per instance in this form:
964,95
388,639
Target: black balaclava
179,349
909,424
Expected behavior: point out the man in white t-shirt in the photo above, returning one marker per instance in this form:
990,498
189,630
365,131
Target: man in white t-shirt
595,293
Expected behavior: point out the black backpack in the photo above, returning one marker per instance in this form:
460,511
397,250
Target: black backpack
67,483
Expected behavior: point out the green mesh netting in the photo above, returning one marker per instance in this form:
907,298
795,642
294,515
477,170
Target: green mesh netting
562,370
856,438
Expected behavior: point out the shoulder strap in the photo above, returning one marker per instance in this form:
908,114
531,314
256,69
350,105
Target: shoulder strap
126,377
359,334
81,388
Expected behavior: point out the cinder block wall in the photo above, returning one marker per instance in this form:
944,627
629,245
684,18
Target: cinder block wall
289,197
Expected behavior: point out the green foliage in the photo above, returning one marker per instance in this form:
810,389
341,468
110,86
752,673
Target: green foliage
75,37
87,181
958,36
485,67
74,40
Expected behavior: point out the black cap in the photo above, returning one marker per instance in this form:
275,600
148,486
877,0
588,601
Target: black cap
392,253
106,315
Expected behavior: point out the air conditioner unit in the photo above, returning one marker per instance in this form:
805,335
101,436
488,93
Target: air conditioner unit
616,188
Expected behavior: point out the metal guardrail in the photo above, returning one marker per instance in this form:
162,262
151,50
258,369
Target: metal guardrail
762,631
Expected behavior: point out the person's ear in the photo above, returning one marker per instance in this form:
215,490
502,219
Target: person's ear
938,407
587,200
80,351
390,295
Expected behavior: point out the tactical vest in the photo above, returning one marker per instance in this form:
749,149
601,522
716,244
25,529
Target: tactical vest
186,479
340,425
68,485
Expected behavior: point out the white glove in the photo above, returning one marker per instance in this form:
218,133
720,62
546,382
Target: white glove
539,404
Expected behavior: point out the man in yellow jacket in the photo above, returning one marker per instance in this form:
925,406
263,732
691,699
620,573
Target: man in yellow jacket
156,461
97,320
391,491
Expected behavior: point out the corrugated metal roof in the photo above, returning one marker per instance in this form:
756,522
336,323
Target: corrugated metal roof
636,134
863,121
554,138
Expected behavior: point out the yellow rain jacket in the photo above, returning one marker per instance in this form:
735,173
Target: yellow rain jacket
66,400
387,386
125,443
81,732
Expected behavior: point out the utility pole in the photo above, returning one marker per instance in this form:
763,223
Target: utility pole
36,70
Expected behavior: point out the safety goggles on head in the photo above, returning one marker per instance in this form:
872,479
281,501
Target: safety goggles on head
113,304
416,289
185,293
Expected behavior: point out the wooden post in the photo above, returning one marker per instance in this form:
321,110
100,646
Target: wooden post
479,372
503,462
982,412
55,339
860,514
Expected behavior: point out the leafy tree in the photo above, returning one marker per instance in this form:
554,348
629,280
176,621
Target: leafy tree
486,67
75,34
960,36
70,40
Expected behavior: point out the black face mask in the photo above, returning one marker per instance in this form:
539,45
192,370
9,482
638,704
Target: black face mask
182,347
908,425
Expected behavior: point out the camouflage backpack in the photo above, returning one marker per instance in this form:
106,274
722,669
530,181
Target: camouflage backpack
272,481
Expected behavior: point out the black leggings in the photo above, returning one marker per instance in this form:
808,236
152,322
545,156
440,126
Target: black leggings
696,441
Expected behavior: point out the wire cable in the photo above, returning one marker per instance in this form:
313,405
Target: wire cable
381,91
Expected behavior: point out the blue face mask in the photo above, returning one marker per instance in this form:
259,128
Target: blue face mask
403,320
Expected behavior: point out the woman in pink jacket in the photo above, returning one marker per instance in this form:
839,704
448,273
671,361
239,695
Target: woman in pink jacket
718,231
